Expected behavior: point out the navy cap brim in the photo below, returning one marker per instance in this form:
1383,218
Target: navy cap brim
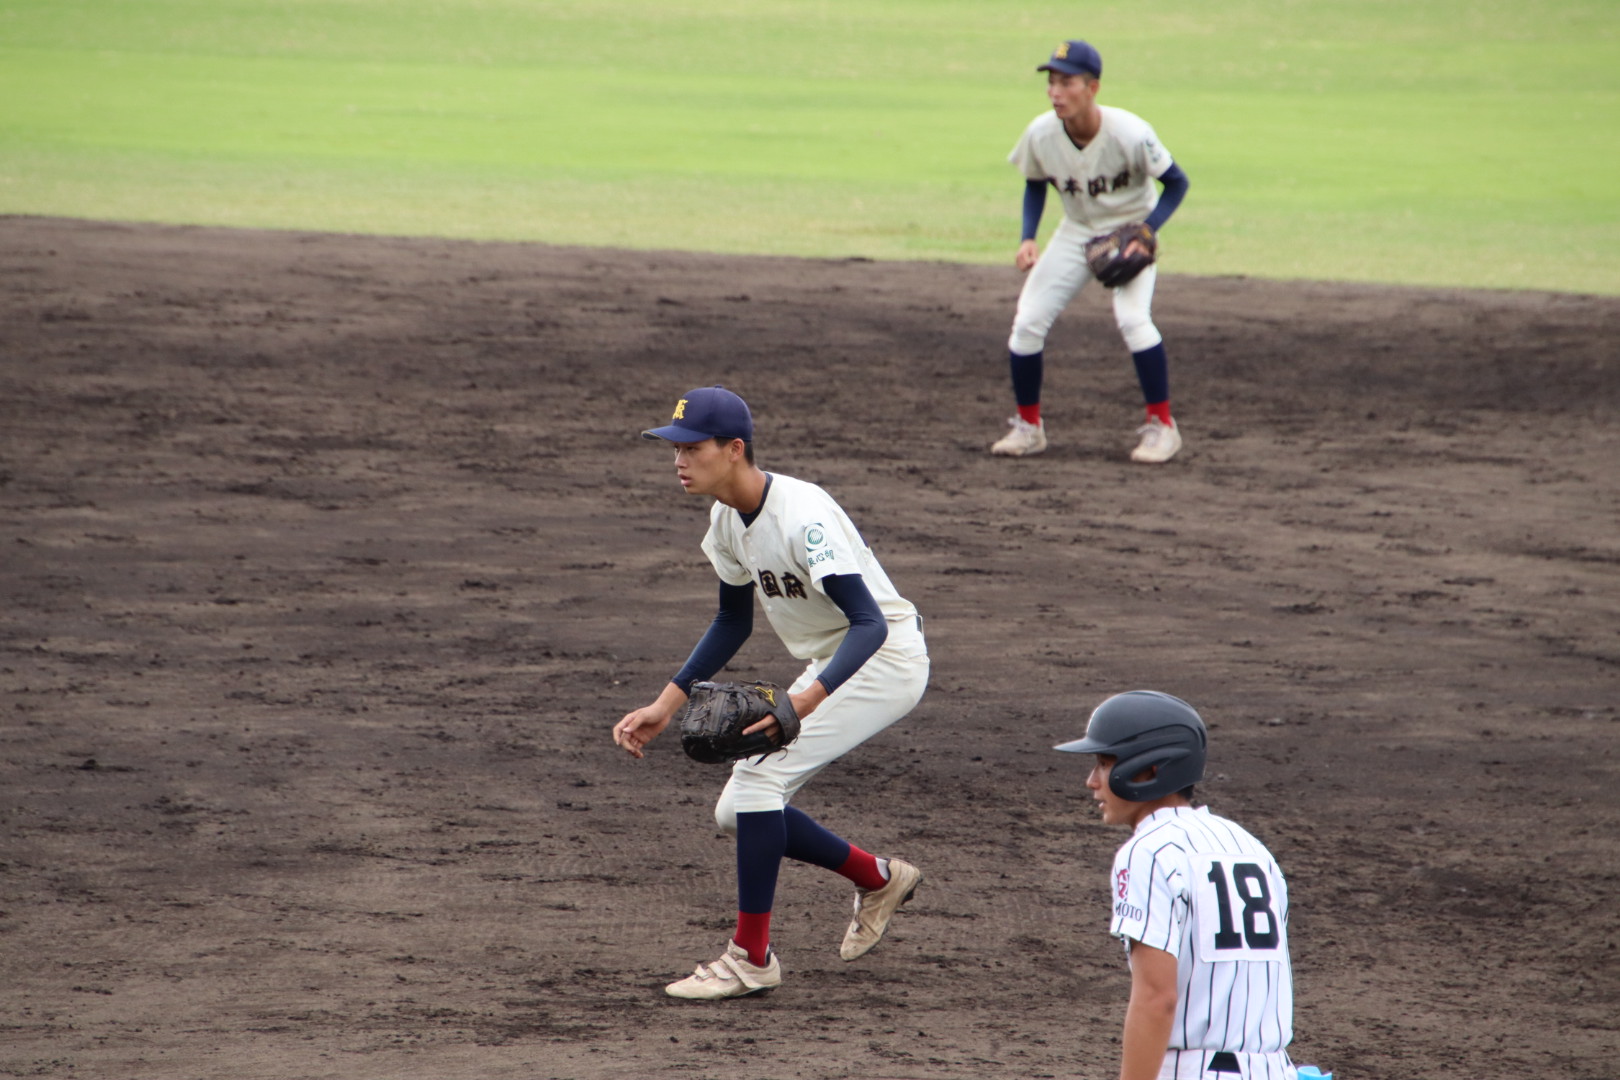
675,433
1068,69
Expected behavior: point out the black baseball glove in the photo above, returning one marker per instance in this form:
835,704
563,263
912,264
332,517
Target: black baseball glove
1113,259
716,714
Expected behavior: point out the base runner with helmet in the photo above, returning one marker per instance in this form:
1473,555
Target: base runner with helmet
1105,164
824,593
1200,904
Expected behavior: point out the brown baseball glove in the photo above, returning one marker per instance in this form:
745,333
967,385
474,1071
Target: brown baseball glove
1118,256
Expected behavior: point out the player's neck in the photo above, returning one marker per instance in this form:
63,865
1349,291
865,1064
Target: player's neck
744,490
1083,128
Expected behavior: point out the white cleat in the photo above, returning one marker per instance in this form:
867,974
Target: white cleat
1024,439
1159,442
728,977
874,909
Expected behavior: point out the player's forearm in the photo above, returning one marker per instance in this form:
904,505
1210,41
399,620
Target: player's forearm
867,632
733,624
1147,1035
807,700
671,698
1151,1014
1175,189
1034,206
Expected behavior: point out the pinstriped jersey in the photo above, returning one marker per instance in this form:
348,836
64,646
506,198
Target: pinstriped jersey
1204,890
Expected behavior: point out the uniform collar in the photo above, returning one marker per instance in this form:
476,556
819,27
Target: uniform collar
750,517
1165,813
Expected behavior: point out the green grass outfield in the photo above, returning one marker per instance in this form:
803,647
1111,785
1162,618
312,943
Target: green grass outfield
1449,142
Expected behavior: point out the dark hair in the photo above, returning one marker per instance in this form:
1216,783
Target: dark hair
748,447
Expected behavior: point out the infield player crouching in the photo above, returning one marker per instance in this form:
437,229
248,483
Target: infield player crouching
1104,163
831,603
1200,904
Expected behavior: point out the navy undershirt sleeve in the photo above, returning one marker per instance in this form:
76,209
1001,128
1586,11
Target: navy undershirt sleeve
732,625
1034,204
868,629
1175,189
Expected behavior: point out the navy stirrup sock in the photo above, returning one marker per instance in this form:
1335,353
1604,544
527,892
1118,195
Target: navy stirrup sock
1026,377
810,842
1153,372
761,840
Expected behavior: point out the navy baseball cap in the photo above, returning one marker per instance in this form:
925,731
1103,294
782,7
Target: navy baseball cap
709,412
1074,58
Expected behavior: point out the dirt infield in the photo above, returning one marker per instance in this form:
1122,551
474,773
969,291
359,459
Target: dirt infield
327,564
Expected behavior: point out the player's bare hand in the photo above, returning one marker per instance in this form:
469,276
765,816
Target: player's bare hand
804,703
642,726
639,728
769,726
1028,254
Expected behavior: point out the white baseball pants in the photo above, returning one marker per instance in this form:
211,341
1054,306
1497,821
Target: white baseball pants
1058,277
887,687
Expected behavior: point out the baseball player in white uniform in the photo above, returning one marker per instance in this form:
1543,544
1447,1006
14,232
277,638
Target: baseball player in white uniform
824,593
1200,904
1104,163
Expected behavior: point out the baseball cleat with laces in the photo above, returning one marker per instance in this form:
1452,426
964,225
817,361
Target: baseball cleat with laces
874,909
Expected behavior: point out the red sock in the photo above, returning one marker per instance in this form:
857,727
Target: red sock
1160,411
754,935
862,869
1030,414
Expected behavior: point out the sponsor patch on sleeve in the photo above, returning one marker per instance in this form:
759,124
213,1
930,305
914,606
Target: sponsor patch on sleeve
818,549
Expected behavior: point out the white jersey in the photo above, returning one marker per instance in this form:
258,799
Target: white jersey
1202,889
799,537
1105,185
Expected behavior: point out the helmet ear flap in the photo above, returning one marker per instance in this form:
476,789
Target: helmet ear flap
1161,759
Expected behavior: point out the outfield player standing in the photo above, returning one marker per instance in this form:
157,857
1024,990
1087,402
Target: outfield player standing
1104,162
831,603
1200,904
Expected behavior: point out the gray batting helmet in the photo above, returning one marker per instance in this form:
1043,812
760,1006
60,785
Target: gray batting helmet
1146,729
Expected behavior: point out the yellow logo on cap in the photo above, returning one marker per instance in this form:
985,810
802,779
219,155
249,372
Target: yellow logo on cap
680,410
1062,51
